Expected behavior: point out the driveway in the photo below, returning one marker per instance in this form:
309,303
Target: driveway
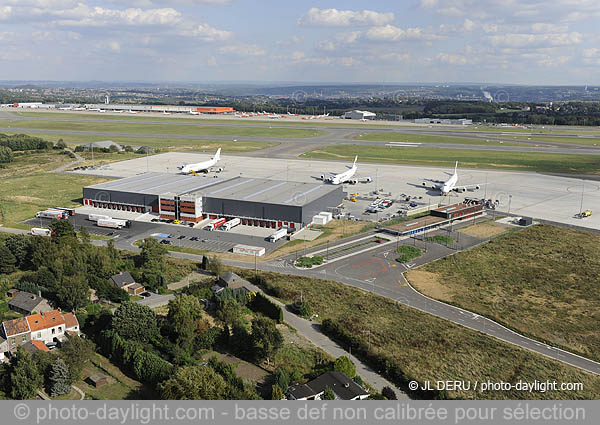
156,300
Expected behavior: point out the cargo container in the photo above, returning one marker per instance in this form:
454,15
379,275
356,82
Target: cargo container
281,233
70,211
216,223
231,223
38,231
259,251
96,217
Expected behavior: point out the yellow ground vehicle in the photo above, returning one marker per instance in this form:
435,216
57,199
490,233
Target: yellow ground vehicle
354,194
353,199
177,221
586,213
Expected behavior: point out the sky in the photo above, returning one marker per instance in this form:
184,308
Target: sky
487,41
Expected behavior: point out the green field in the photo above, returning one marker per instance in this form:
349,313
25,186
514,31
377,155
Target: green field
524,161
587,141
424,347
28,187
542,281
425,138
200,129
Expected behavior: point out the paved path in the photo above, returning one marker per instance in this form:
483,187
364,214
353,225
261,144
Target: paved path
311,331
156,300
78,159
81,393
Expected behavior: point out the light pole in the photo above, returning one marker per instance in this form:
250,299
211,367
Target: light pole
509,202
582,190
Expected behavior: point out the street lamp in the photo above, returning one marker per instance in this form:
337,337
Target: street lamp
509,202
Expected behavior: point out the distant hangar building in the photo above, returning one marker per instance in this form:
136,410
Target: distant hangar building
257,202
359,115
162,108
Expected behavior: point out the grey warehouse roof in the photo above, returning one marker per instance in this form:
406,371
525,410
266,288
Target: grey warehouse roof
157,184
237,188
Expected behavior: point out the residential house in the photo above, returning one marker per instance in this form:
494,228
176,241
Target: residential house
343,387
12,292
41,328
125,281
3,348
16,332
27,303
234,282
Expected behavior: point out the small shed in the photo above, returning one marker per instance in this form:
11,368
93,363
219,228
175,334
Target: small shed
12,292
98,380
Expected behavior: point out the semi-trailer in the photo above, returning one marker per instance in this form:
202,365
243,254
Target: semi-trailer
231,224
96,217
50,213
113,223
216,223
281,233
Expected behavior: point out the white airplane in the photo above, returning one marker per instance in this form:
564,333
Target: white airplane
449,185
204,166
132,112
194,113
97,110
344,177
166,113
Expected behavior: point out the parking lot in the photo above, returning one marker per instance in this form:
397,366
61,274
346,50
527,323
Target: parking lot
176,234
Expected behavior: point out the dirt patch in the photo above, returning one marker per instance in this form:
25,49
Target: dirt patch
21,198
429,284
484,230
243,369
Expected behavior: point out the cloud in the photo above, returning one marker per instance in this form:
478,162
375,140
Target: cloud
453,59
520,41
246,50
84,15
207,33
392,33
344,18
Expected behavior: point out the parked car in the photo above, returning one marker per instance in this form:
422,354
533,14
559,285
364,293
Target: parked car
165,242
181,237
146,294
154,220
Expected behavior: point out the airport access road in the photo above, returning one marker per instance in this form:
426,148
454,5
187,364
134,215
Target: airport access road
376,271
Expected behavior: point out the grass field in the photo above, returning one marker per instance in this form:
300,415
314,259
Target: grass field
163,129
163,143
587,141
542,280
425,138
28,187
524,161
425,347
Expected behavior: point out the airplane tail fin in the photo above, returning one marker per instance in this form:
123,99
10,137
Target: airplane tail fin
455,167
355,158
218,154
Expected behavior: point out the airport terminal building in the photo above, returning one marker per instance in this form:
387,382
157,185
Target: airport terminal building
257,202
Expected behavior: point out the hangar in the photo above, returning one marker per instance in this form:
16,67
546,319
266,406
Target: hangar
257,202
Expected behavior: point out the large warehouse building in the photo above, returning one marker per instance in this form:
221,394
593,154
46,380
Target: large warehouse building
163,108
257,202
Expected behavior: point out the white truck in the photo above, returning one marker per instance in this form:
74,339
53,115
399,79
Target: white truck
214,224
281,233
96,217
50,213
112,223
38,231
231,223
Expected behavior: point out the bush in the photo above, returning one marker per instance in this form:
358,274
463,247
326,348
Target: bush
408,253
267,307
308,262
301,308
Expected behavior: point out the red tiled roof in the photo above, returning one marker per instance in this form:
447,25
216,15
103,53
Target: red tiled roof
16,326
70,320
40,345
48,320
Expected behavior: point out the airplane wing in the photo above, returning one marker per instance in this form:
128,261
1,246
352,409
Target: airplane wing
434,181
469,187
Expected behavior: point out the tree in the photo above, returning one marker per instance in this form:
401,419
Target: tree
193,383
204,264
6,154
20,247
7,260
184,313
60,379
230,311
84,235
344,364
277,393
135,321
76,352
266,338
389,393
328,394
215,266
152,252
25,376
60,144
282,379
62,228
73,292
